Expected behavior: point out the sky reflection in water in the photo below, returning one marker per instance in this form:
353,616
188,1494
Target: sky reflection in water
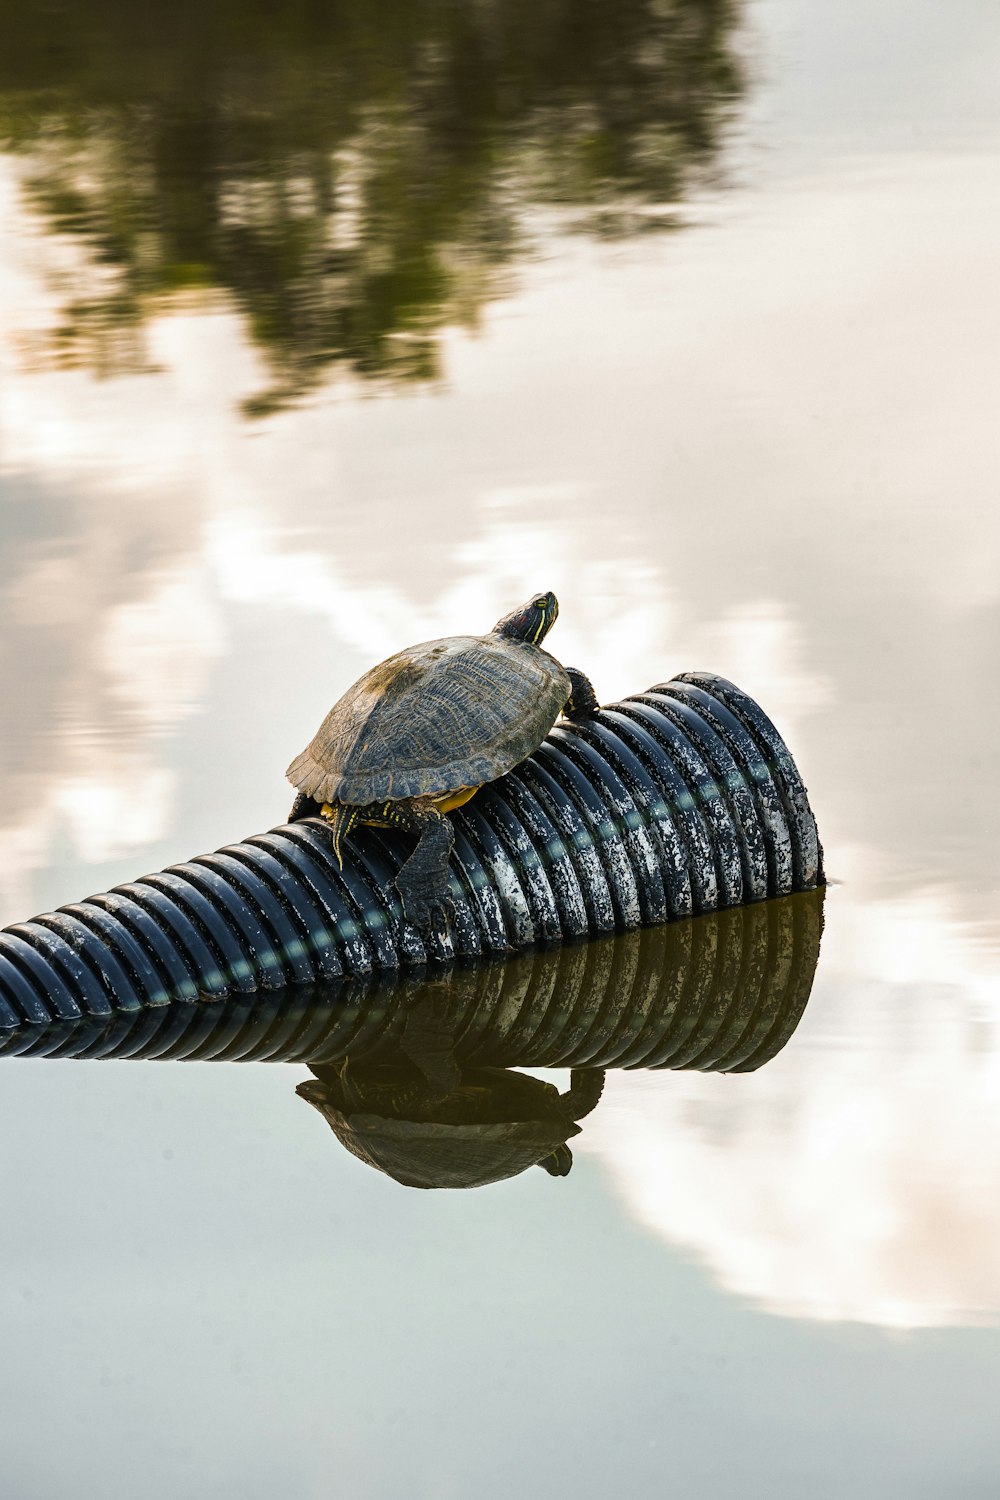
764,445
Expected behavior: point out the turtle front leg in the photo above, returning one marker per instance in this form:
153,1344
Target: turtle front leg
423,882
582,702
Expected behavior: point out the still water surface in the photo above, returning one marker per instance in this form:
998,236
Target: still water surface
324,333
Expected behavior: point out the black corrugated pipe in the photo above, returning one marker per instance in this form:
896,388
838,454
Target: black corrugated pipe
675,802
722,993
416,1075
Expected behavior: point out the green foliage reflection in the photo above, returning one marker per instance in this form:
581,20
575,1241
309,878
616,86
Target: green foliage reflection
353,176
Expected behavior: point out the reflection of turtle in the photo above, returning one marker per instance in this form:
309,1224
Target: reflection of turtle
494,1124
419,734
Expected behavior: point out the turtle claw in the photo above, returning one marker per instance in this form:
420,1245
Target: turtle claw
441,918
431,912
428,905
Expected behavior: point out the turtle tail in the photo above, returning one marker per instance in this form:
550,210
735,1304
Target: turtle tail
341,819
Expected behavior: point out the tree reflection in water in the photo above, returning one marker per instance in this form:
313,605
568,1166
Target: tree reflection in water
353,177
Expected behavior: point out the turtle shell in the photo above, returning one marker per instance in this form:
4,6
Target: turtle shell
424,1153
438,716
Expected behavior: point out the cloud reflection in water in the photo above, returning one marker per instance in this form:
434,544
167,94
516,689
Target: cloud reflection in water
856,1179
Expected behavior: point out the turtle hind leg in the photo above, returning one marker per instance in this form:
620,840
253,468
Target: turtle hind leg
582,702
304,806
423,882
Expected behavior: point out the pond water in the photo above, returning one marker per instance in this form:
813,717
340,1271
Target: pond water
328,329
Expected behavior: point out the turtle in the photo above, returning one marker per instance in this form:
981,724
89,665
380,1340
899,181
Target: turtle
419,734
495,1123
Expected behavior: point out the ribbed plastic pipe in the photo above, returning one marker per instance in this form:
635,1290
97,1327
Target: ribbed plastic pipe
722,993
679,801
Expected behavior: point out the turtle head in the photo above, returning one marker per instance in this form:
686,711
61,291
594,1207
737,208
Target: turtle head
558,1163
531,622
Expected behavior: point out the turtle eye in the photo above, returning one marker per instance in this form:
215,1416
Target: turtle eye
542,603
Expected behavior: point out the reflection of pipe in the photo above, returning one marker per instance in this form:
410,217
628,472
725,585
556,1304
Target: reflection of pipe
722,993
426,1104
678,801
